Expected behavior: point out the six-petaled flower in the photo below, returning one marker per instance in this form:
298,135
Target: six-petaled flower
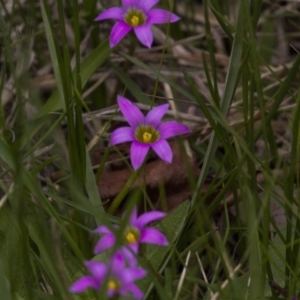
118,278
134,234
146,132
137,15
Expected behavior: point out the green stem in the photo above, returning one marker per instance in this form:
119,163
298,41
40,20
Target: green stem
118,199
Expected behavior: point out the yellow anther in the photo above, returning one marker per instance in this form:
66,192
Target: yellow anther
130,238
135,21
147,137
112,285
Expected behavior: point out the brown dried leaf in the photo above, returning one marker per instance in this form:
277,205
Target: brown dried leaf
174,176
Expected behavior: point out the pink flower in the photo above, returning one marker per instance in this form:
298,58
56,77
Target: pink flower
119,279
137,15
134,234
146,132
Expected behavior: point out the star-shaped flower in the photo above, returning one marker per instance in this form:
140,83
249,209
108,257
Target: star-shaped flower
119,278
137,15
134,234
146,132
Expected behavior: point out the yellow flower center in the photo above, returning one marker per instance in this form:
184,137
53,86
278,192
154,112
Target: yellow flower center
134,21
146,134
147,137
135,17
132,235
112,285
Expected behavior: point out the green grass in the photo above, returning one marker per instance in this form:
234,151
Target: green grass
229,70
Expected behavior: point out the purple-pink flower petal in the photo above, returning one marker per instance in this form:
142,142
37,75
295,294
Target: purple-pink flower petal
130,111
121,135
133,274
119,30
172,128
138,153
161,16
133,216
117,263
83,283
137,293
144,34
129,253
97,269
163,150
148,217
153,236
130,3
111,292
145,5
155,115
102,229
111,13
106,242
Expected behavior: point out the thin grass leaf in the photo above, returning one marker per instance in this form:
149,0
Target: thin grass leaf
93,193
231,81
160,76
54,53
89,65
5,286
172,225
131,86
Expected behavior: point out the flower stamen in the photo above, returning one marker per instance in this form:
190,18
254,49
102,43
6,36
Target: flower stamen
132,236
134,21
146,134
147,137
112,285
135,17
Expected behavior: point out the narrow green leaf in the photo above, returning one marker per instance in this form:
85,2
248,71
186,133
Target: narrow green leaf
172,226
230,84
93,193
87,68
6,154
56,58
281,93
162,77
4,284
234,289
132,86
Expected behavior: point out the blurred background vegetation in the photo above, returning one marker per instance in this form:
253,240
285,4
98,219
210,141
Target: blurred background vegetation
229,70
